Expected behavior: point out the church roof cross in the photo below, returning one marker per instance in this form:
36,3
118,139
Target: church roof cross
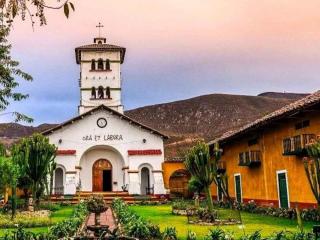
99,26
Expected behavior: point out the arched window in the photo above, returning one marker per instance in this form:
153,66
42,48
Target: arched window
145,181
108,93
93,93
58,181
93,64
100,64
100,42
100,92
108,64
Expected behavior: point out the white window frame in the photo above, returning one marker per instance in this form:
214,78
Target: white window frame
287,185
235,186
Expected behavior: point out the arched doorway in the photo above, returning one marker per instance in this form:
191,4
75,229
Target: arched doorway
58,181
178,183
102,176
145,181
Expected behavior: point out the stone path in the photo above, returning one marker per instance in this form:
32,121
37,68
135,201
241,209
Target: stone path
106,218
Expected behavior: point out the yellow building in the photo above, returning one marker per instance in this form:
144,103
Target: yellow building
264,159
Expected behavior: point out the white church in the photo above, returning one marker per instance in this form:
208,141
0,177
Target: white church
101,149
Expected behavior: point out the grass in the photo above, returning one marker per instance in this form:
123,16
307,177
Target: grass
162,216
57,216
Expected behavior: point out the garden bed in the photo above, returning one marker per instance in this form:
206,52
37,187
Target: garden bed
26,219
162,216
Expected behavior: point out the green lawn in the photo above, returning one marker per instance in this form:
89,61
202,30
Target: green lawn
162,216
57,216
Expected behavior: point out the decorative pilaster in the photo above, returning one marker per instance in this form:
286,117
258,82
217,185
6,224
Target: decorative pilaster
134,182
71,182
158,182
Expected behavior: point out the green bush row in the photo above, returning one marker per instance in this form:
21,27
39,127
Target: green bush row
134,226
308,214
62,230
219,234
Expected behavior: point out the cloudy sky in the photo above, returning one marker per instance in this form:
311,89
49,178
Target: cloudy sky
175,50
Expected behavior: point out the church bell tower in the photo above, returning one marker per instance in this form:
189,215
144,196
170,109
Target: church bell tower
100,75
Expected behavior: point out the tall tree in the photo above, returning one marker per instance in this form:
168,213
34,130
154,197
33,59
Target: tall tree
35,155
9,173
9,72
203,168
312,168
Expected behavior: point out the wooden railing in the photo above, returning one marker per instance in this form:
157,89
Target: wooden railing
297,145
250,158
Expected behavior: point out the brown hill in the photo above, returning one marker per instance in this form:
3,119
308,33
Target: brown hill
292,96
185,121
206,116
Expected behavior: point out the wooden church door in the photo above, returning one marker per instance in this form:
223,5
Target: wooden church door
102,176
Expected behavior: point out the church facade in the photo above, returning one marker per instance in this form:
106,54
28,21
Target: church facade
101,149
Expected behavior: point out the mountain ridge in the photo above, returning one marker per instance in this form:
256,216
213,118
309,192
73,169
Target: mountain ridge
186,121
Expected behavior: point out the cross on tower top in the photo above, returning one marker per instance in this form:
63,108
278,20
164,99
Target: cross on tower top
99,26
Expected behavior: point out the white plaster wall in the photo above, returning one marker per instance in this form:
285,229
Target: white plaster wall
73,137
95,79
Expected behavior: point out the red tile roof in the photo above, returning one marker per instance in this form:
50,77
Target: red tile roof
99,47
281,113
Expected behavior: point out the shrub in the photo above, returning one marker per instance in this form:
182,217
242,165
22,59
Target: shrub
218,234
169,233
310,214
134,226
69,227
207,216
138,229
154,231
303,236
49,206
254,236
191,235
180,205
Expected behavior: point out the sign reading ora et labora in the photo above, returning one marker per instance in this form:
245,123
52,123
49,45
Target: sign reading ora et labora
104,137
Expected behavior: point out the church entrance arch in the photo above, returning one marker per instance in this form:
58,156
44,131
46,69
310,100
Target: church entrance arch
102,176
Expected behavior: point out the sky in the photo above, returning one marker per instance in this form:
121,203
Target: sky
175,50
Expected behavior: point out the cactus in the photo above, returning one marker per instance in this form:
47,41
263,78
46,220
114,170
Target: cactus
312,168
35,155
203,168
